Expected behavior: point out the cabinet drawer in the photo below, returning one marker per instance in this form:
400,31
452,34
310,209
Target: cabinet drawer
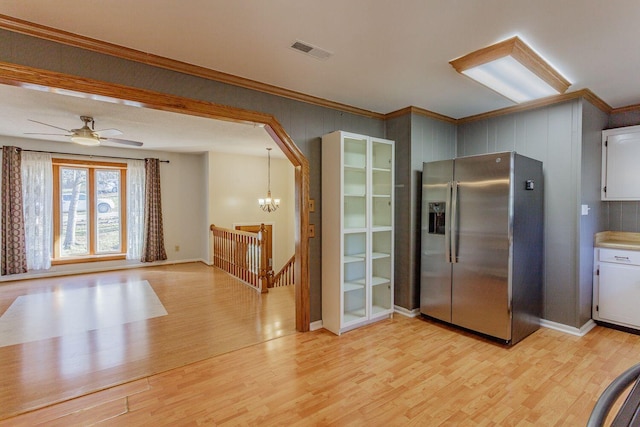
619,256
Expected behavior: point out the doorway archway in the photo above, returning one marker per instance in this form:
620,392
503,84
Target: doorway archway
23,76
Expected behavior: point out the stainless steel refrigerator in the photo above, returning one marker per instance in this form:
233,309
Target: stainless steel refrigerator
482,244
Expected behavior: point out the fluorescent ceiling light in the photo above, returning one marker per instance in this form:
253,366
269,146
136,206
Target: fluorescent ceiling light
512,69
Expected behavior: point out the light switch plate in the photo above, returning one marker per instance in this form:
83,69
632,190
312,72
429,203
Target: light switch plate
585,209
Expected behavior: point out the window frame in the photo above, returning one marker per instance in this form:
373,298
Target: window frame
91,166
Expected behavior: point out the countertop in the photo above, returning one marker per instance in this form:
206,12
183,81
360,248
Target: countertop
617,240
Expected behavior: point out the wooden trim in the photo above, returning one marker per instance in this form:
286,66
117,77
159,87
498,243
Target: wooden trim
87,259
19,75
52,34
59,36
422,112
519,51
284,277
534,62
23,76
91,197
36,30
596,100
628,109
583,93
76,162
301,170
92,211
484,55
265,269
123,208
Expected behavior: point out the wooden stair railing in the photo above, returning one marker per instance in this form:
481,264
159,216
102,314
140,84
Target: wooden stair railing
243,255
285,276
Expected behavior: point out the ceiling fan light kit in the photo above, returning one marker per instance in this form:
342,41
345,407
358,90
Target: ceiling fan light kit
85,140
84,135
513,69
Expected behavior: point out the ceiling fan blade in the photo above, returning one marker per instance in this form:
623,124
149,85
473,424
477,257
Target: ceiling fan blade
107,133
46,124
48,134
123,141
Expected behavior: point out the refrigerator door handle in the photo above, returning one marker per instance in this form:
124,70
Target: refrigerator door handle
454,223
447,228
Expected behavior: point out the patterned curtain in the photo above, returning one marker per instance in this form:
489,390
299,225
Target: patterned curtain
14,253
153,243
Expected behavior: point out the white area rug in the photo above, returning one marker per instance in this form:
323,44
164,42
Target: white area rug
61,312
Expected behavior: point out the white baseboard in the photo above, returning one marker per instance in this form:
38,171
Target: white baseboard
579,332
314,326
96,269
406,312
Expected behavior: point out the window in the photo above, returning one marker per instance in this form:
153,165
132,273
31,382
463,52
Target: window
89,211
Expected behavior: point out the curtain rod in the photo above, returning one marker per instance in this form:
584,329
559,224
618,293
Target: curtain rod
86,155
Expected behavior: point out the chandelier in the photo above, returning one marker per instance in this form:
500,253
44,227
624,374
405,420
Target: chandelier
269,204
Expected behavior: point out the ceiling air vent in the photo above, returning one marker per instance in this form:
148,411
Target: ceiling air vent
314,51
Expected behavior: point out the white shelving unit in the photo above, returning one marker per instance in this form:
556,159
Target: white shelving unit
357,230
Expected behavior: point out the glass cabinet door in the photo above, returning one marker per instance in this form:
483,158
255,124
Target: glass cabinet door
354,284
381,180
381,271
355,183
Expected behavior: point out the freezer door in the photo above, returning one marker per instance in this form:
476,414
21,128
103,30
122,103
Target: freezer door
435,266
480,290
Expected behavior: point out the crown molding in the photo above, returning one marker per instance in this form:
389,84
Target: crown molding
596,100
76,40
628,109
64,37
556,99
550,100
422,112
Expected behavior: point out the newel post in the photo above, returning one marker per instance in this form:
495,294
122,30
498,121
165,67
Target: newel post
265,271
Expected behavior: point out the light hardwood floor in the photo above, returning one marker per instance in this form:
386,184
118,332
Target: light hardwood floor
401,371
209,313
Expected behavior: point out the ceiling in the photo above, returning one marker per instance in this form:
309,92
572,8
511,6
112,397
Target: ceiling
385,55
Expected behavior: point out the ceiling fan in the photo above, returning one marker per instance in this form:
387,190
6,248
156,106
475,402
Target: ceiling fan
87,135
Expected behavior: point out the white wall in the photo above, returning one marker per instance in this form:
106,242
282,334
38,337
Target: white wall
183,183
184,205
235,184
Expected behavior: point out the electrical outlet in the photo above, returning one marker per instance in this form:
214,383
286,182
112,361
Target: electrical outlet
177,248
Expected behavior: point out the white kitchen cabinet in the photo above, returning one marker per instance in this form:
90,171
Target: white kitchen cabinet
620,172
616,287
357,230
